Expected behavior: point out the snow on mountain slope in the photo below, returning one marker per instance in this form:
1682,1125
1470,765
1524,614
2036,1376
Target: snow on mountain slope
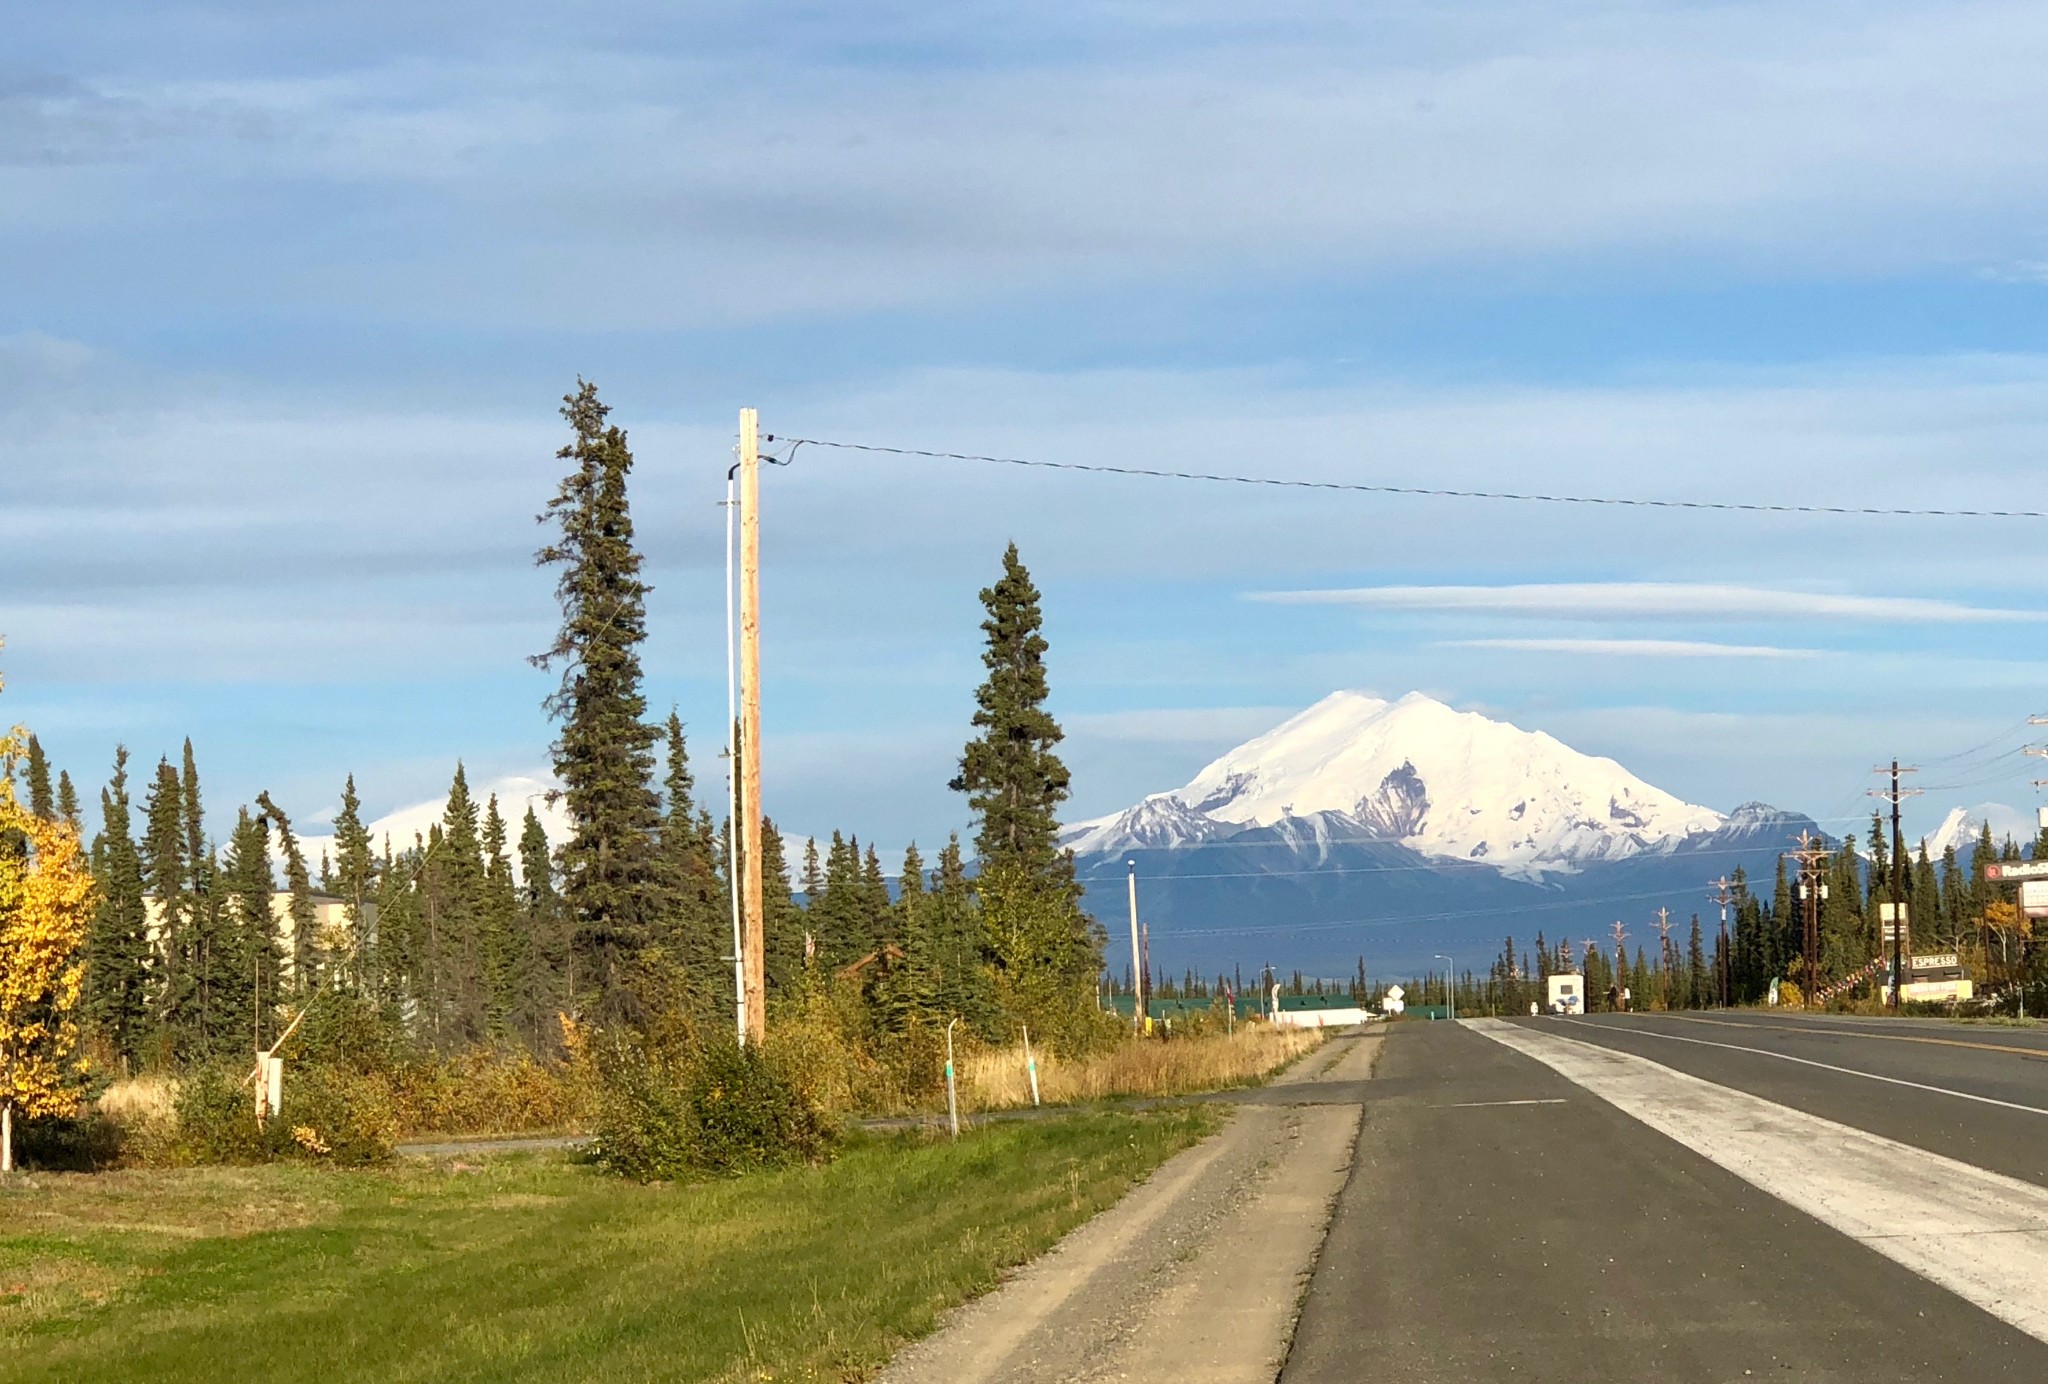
1453,785
1960,827
515,793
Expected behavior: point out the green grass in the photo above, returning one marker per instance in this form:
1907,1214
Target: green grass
536,1268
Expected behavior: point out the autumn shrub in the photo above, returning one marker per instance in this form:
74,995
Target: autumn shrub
329,1115
669,1111
487,1091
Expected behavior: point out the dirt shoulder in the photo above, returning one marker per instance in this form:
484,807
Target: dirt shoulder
1197,1275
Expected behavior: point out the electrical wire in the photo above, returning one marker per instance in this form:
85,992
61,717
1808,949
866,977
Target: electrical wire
1532,497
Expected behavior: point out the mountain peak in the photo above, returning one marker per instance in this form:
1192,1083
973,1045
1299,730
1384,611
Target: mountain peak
1454,785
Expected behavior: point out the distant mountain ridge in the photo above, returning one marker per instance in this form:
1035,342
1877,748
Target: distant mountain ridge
1400,829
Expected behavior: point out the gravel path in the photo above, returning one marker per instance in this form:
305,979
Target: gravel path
1196,1276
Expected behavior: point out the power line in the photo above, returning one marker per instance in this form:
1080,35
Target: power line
1296,483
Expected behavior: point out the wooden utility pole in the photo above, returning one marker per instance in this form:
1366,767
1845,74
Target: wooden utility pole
1723,895
1896,796
748,828
1812,856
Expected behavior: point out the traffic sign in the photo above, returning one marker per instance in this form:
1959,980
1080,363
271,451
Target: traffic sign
2017,869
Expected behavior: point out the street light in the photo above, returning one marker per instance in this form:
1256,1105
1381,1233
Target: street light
1450,976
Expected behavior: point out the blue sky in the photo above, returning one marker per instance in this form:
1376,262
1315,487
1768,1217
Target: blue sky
288,294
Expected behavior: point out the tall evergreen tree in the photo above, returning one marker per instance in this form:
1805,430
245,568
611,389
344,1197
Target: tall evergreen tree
117,972
542,919
242,961
67,801
782,922
694,927
167,883
1013,779
41,802
1044,951
611,875
1698,989
308,950
354,881
399,978
504,944
453,882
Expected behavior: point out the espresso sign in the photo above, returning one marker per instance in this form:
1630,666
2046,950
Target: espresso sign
1941,961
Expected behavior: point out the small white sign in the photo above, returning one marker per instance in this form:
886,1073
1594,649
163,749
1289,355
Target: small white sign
1939,961
2034,898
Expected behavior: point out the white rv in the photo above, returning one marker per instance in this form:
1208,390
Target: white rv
1567,994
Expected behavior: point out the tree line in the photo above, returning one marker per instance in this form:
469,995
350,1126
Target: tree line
206,934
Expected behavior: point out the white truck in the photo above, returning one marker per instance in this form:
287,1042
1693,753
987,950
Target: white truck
1567,994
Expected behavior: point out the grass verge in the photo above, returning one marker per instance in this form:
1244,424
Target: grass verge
996,1079
536,1268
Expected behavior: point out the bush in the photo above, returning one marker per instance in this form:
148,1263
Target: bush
330,1115
668,1111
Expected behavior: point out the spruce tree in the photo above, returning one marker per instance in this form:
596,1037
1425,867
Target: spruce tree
117,974
694,927
541,918
241,960
1044,951
167,883
354,882
453,880
399,980
1013,779
782,921
507,959
611,874
41,803
308,951
67,801
1696,978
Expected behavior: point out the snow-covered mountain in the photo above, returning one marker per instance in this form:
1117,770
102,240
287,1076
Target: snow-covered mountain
515,793
1960,827
1452,786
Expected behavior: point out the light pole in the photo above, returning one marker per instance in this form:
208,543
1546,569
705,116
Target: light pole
1450,978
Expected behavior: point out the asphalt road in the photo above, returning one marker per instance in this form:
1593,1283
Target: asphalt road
1502,1223
1956,1072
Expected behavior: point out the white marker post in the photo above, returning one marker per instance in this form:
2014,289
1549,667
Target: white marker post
952,1100
1031,1065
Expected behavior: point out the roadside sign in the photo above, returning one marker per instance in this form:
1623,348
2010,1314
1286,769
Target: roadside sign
1891,933
2034,898
1939,961
2017,869
1891,914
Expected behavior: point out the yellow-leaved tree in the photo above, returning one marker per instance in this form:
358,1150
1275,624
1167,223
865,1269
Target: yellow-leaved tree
46,900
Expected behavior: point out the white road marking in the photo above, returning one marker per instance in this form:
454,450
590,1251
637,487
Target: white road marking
1488,1104
1808,1062
1919,1209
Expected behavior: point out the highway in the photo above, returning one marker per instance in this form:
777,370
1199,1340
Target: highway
1691,1197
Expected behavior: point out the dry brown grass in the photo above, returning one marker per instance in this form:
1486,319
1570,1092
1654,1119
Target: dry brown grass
140,1100
996,1079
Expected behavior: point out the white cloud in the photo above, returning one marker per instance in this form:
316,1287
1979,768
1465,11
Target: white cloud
1633,648
1669,600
